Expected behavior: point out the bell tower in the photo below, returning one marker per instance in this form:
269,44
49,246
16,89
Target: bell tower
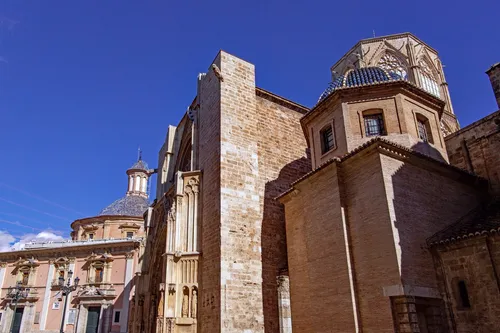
138,176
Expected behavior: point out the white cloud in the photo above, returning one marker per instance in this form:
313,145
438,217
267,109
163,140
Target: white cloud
5,240
10,243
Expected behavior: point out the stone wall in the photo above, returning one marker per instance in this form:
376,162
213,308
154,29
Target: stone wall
494,74
475,261
475,148
209,161
251,148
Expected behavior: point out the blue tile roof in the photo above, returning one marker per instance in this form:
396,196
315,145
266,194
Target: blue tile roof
140,164
359,77
132,205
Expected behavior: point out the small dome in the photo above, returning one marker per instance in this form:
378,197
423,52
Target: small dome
140,164
359,77
132,205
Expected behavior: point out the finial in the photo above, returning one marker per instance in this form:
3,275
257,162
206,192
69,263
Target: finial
373,32
140,154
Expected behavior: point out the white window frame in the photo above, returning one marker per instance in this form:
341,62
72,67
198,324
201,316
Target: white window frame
114,316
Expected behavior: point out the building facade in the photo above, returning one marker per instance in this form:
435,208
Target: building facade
403,222
230,247
103,253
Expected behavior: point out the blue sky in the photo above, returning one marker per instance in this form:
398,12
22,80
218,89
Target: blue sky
84,83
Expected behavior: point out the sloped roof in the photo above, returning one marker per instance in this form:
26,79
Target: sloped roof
481,220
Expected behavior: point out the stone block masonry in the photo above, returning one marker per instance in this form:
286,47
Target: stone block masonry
251,149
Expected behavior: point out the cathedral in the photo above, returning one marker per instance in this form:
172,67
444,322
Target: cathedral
372,211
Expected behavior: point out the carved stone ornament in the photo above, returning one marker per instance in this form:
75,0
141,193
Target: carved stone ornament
283,284
90,291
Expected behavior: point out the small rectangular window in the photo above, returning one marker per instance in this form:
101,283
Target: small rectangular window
116,318
130,234
327,139
91,236
98,275
374,125
464,295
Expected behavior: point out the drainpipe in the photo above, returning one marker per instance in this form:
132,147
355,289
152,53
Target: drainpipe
348,250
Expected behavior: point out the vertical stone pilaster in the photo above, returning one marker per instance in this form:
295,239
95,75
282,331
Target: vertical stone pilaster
285,313
82,319
129,268
46,297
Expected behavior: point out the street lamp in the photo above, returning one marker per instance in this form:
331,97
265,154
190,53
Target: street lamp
66,290
16,293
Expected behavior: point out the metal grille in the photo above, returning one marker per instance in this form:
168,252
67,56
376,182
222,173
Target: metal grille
422,131
374,125
327,139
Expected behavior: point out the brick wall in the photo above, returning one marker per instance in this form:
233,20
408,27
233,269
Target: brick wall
319,280
422,202
374,252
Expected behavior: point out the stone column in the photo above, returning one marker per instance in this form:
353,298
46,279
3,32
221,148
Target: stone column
285,314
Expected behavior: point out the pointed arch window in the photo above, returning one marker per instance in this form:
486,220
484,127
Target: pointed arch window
428,79
393,66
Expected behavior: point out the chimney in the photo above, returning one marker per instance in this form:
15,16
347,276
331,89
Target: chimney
494,74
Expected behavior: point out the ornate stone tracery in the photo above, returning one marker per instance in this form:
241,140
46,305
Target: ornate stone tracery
393,65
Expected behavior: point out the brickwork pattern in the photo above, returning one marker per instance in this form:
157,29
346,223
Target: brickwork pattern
319,283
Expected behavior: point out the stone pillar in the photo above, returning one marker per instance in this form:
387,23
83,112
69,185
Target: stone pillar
129,269
46,297
7,318
82,319
494,74
28,318
285,313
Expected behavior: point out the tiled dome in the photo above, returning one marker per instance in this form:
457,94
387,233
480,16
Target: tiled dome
132,205
140,164
359,77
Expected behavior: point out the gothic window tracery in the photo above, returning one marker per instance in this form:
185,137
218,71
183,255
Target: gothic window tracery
393,66
428,79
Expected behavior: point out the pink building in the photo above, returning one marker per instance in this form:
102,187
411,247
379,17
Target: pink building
103,253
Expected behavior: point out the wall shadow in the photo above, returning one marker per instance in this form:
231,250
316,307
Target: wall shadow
426,199
273,239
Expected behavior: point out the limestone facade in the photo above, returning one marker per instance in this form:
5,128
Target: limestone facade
242,146
347,248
